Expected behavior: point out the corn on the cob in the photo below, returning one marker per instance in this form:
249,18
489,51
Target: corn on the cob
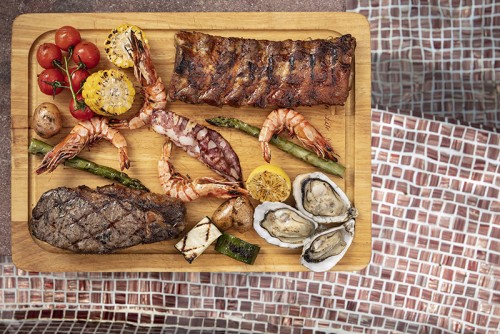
108,92
117,45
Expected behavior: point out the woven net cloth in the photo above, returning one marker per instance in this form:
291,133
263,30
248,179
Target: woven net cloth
440,58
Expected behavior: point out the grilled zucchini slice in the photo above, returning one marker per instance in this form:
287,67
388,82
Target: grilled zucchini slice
236,248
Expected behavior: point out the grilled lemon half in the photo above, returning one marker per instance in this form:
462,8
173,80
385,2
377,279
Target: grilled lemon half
269,183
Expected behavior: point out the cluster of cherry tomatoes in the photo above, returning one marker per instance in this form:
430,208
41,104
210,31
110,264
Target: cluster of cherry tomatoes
57,75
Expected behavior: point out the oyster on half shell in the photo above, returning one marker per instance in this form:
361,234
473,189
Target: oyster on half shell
324,250
320,199
282,225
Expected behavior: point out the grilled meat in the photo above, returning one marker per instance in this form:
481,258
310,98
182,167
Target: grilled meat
236,71
106,219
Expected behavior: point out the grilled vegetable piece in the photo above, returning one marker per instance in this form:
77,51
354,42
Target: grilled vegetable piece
108,92
118,44
46,120
236,248
235,212
198,239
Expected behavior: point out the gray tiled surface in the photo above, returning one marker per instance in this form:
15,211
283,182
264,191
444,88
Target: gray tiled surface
436,58
9,9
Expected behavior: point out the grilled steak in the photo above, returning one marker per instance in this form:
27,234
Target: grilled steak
236,71
103,220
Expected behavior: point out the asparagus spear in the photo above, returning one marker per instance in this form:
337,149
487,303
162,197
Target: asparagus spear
41,148
283,144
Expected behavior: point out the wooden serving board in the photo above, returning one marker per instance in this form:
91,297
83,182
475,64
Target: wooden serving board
347,127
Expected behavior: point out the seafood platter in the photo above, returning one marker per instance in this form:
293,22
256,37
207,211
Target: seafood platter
191,142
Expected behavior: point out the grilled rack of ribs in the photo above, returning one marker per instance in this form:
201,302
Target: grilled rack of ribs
83,220
237,71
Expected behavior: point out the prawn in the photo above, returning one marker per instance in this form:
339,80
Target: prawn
152,87
83,134
178,186
297,125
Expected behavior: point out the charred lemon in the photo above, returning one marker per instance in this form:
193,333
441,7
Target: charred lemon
269,183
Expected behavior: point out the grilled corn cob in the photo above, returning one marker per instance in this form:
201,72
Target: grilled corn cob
117,45
108,92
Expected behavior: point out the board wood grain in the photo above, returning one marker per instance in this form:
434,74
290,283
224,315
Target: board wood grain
347,127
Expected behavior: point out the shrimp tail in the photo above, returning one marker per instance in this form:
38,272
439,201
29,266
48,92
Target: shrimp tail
322,148
119,124
123,158
118,141
166,170
266,151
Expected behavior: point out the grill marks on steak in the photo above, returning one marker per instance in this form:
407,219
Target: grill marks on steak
106,219
236,71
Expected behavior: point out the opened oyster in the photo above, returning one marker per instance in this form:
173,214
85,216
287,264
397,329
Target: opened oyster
324,250
320,199
282,225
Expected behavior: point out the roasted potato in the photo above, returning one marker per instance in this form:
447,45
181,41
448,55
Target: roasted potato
46,120
235,212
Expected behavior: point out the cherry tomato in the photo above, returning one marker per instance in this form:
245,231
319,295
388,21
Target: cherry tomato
87,53
66,37
47,53
80,111
50,81
78,77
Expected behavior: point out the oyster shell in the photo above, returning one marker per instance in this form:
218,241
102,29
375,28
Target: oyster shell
324,250
282,225
320,199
